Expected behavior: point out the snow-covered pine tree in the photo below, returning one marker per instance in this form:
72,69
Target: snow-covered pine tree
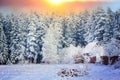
22,24
117,25
36,29
79,34
89,28
7,29
41,23
52,42
15,46
3,44
96,24
65,42
31,40
68,30
108,34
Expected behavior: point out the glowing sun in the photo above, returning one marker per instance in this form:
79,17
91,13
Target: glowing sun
56,1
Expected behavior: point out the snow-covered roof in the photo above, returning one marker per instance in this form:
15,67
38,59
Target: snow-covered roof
110,49
89,47
93,49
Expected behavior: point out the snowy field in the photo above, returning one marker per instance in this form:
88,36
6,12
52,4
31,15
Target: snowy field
49,72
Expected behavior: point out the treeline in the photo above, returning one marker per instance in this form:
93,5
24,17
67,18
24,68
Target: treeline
32,38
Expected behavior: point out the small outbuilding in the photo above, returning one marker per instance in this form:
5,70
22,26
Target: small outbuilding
105,53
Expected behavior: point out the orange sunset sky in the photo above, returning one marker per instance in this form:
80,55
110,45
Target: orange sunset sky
55,5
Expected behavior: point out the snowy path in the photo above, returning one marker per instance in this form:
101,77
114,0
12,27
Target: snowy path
49,72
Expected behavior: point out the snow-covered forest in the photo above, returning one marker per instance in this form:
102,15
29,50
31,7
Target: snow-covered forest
41,38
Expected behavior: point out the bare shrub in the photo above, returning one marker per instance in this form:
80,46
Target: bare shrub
73,72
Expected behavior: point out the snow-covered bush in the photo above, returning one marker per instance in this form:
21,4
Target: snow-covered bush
112,48
71,54
117,65
62,55
3,58
69,57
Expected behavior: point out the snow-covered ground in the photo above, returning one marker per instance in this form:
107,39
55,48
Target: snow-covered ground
49,72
